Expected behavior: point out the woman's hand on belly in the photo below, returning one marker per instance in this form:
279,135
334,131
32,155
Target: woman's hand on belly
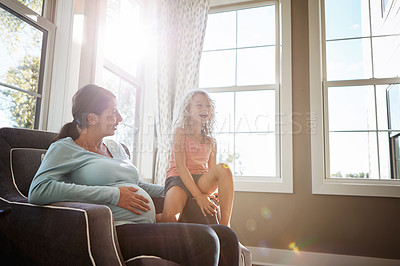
130,200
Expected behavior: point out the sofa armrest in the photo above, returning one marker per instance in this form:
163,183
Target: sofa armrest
64,233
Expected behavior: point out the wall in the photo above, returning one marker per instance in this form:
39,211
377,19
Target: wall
363,226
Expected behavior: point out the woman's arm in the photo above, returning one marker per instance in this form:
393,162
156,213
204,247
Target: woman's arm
119,152
153,190
47,186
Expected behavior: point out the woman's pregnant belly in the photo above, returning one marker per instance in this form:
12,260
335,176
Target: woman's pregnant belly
123,216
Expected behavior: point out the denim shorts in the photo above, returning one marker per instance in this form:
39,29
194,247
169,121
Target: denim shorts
177,181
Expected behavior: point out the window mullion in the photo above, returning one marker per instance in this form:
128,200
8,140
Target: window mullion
377,134
370,39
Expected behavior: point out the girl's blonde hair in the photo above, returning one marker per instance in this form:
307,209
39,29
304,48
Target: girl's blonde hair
182,116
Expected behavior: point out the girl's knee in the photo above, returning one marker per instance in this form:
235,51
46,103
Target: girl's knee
169,217
224,169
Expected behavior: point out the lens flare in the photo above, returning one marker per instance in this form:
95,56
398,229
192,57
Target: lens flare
225,166
264,248
251,225
294,247
266,213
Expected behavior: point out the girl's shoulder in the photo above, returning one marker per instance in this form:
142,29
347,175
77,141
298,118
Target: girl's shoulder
211,139
180,130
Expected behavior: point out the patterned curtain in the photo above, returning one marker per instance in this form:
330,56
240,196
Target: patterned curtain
181,30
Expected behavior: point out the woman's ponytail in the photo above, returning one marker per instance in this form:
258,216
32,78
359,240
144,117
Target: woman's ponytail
89,99
68,130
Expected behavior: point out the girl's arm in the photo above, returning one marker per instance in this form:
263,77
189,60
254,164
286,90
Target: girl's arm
213,156
202,199
213,162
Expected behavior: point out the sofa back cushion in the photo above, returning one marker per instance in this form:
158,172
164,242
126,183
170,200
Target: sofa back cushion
20,157
24,162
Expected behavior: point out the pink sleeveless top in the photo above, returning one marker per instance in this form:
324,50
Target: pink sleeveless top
197,156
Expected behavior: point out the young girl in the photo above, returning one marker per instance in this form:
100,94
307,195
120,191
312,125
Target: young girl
193,171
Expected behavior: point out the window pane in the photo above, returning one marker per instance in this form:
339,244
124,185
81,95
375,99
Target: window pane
396,156
393,94
123,35
17,109
221,31
382,107
350,59
126,103
20,53
386,52
255,154
351,108
255,111
384,155
353,155
256,66
381,25
217,69
224,111
256,26
225,150
35,5
346,18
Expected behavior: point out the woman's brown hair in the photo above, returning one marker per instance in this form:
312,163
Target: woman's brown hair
89,99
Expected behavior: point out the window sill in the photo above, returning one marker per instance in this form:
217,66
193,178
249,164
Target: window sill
264,184
351,187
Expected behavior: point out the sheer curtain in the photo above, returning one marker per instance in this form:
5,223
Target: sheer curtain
181,30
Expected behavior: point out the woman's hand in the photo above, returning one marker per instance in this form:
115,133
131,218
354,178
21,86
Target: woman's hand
206,205
130,200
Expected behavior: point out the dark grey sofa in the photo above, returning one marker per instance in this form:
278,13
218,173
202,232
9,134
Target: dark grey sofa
64,233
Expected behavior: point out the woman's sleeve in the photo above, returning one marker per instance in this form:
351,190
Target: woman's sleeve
153,190
47,187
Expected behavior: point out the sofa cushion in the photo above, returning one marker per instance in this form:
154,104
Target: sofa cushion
24,163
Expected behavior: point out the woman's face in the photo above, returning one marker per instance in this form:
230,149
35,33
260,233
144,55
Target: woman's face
109,119
200,109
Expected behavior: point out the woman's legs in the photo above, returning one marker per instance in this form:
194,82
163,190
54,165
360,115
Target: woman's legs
229,245
219,176
185,244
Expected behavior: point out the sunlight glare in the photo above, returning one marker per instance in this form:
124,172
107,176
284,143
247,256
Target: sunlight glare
127,38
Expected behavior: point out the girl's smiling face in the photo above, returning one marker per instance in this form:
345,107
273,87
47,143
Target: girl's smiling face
199,109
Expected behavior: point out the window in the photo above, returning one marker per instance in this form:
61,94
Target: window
244,67
121,65
353,97
26,38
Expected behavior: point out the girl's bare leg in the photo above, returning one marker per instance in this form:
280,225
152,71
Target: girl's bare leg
220,176
174,202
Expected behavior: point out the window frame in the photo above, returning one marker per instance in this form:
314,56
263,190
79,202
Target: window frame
136,80
321,181
38,21
283,183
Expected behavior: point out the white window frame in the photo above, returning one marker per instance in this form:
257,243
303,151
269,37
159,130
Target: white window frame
40,21
321,182
101,63
283,183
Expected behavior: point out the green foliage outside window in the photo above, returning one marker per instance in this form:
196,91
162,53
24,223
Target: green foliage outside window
15,32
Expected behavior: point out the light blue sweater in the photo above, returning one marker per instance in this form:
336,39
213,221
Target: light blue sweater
71,173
